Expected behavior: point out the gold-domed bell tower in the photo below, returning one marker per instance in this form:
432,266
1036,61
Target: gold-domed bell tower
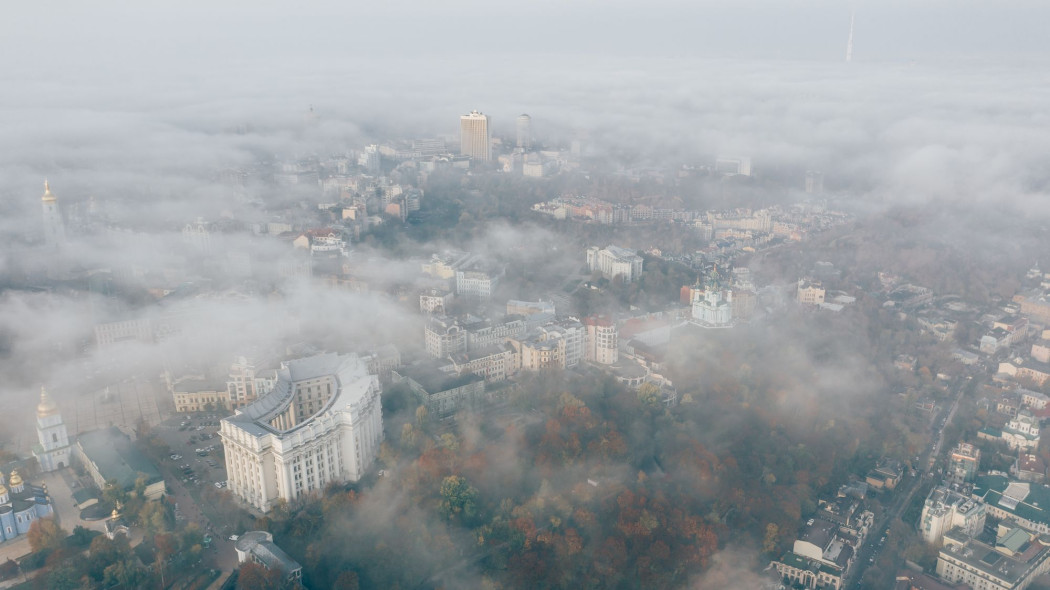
53,450
54,228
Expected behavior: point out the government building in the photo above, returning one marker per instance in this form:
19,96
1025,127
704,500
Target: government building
321,423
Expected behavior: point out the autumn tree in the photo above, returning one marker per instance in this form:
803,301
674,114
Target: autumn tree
45,534
458,498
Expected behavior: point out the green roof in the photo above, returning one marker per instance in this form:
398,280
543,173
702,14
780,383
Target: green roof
992,432
1035,507
116,458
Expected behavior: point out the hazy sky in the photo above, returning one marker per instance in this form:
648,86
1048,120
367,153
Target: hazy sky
123,34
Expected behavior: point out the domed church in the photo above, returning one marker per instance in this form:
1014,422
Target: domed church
20,505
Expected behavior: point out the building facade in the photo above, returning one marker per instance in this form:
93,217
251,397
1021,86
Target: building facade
963,463
20,505
944,510
613,261
54,228
321,423
474,137
1013,562
247,382
52,451
524,135
602,343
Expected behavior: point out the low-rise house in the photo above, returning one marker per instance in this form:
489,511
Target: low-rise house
886,475
258,547
1029,467
820,557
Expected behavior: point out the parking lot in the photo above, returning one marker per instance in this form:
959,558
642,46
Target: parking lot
196,451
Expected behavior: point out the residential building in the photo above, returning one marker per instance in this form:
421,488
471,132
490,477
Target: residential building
945,509
442,393
558,344
613,261
1033,399
963,463
809,292
20,505
200,395
602,342
1010,561
1029,467
445,264
886,475
494,362
1035,304
477,280
820,557
321,423
53,450
258,547
247,382
474,136
108,455
435,300
443,336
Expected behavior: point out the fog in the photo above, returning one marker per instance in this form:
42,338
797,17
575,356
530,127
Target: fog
134,112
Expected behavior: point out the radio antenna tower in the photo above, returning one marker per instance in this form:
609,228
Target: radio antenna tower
849,44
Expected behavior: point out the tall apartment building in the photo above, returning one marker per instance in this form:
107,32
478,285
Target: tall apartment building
614,261
322,422
247,382
963,463
524,132
945,509
602,342
474,137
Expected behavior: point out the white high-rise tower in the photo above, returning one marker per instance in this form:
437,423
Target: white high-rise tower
53,451
524,132
474,136
54,229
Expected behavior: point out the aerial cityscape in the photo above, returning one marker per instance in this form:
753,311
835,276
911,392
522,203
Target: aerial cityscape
550,296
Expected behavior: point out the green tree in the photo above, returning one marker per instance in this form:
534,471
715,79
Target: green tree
458,497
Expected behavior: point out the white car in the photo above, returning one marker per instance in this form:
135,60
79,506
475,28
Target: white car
234,537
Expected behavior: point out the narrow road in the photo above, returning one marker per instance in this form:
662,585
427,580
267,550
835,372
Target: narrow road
904,497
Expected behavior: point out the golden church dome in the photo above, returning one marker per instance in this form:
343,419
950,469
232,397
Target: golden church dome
46,407
15,480
3,490
48,197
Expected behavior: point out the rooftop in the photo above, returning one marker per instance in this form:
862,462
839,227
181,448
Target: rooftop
116,458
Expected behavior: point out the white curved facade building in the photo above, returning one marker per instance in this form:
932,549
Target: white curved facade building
321,423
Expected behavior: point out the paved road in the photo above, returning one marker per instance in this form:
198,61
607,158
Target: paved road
904,497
